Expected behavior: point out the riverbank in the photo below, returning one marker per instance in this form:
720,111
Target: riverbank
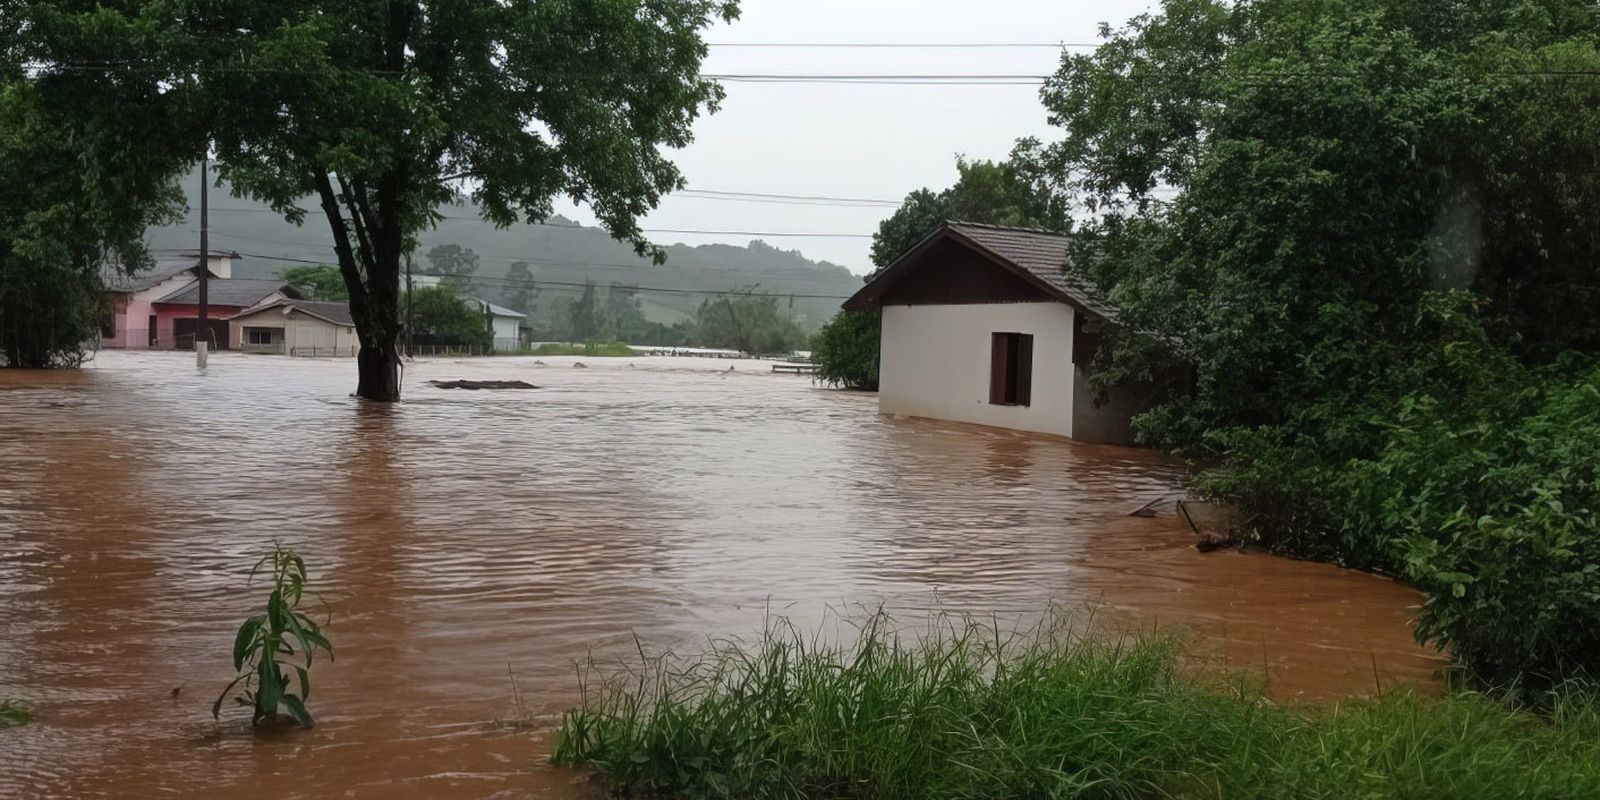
966,709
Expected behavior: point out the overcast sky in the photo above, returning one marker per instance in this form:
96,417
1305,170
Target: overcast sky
871,141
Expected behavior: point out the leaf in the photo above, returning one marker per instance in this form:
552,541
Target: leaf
270,690
297,709
242,642
305,682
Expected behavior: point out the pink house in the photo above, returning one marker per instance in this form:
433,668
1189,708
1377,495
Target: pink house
160,309
134,323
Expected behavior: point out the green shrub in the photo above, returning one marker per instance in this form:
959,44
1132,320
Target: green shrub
967,710
846,350
267,646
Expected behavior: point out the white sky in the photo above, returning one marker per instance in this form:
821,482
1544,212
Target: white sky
862,141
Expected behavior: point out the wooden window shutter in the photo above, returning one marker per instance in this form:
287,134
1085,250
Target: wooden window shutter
1024,394
999,353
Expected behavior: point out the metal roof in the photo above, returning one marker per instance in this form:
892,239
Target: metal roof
331,312
1038,256
241,292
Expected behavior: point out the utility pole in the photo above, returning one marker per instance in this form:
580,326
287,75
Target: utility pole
201,330
411,317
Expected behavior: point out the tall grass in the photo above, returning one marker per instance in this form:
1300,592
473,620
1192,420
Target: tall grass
966,710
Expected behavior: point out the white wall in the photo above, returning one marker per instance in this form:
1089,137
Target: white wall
935,363
505,333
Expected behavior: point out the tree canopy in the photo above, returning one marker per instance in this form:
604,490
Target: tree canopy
1369,230
321,282
384,110
66,219
996,193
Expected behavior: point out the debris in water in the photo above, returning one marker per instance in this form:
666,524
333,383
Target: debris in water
475,385
1214,524
579,365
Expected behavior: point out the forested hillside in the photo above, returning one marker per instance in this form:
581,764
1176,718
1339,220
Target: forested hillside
560,256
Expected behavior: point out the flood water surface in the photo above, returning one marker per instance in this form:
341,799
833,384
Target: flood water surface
462,538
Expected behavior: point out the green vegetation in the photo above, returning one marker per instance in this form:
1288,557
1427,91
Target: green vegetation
443,317
967,710
1367,229
995,193
268,644
383,110
454,263
751,323
321,282
14,713
846,350
60,219
594,349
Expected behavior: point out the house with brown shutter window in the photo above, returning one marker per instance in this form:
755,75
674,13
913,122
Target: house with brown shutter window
983,324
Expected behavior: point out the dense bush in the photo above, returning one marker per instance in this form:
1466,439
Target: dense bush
973,711
1366,228
846,350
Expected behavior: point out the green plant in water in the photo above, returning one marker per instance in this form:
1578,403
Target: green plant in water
274,645
14,713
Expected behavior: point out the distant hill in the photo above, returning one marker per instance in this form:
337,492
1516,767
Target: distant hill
558,253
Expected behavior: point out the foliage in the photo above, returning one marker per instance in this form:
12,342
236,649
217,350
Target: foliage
454,263
846,350
996,193
1365,227
62,222
585,316
748,322
14,713
591,349
322,282
970,710
386,111
446,318
268,644
520,287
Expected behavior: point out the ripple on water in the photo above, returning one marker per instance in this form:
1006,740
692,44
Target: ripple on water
459,537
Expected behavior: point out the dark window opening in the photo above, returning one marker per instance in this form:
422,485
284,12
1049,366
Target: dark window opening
258,336
1011,369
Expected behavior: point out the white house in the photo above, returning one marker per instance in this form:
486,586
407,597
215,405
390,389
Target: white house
296,328
504,323
982,324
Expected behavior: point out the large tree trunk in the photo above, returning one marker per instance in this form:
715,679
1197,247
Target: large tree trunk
378,365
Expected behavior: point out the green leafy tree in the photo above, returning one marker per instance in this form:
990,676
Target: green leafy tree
321,282
586,317
61,223
1364,227
749,322
383,111
444,317
520,287
624,315
454,263
846,350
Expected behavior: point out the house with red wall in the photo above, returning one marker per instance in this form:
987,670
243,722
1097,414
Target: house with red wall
177,315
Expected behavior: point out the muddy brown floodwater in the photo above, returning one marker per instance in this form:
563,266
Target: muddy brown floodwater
459,535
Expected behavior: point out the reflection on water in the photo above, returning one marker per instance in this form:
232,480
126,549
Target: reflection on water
462,535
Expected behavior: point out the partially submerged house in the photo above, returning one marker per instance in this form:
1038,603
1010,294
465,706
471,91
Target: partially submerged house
295,327
983,324
177,314
504,323
133,324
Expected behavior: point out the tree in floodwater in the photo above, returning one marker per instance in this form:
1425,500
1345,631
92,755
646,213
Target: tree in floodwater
444,317
520,287
61,224
385,110
749,322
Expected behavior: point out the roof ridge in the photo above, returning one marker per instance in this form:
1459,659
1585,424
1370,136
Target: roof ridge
1016,228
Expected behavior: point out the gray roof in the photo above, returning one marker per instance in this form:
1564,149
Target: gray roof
498,311
1037,256
335,313
165,267
1042,253
242,292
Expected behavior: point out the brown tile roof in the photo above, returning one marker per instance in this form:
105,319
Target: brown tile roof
238,292
1038,256
1041,253
335,313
